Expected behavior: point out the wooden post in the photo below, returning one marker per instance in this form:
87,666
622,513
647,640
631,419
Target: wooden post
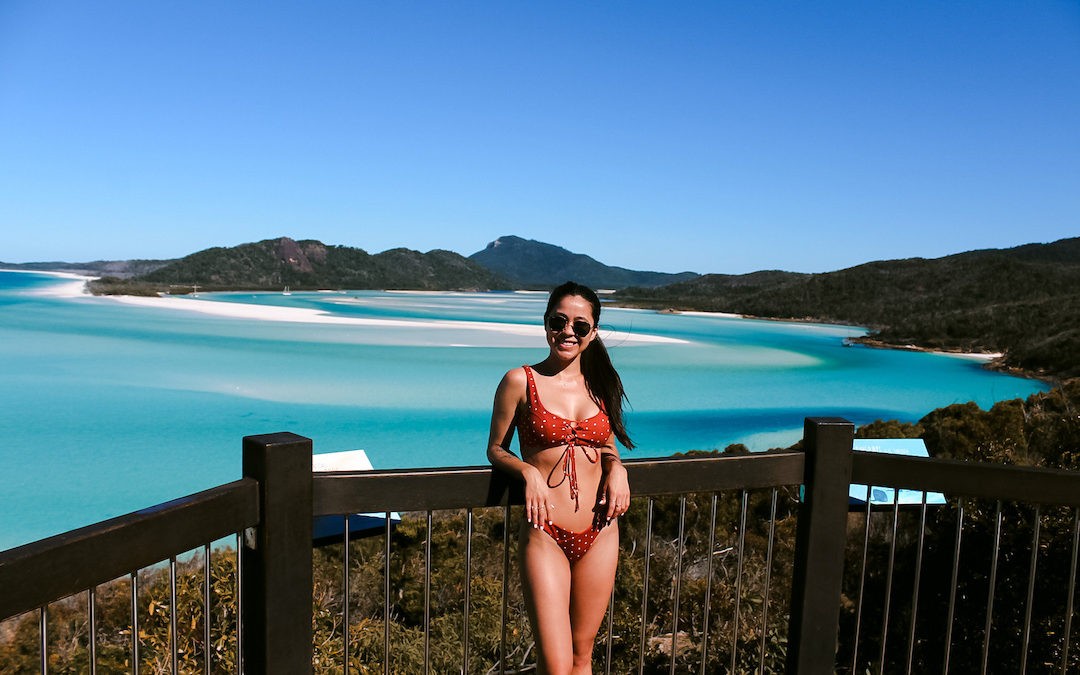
820,538
277,560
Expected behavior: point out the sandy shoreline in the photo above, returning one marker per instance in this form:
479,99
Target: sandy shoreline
75,289
313,316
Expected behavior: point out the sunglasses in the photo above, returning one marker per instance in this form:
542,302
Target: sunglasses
556,324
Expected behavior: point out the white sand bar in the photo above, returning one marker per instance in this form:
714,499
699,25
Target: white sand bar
76,288
238,310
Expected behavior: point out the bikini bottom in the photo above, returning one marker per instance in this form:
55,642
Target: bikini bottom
574,545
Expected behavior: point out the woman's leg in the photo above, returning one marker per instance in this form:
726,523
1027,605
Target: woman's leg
545,583
592,578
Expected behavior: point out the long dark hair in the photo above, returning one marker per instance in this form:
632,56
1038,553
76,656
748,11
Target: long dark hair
601,378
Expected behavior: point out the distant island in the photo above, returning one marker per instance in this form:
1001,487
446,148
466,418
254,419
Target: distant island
1022,302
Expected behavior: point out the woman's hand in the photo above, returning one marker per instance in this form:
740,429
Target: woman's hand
614,488
538,504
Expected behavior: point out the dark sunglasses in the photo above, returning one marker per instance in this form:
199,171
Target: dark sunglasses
556,324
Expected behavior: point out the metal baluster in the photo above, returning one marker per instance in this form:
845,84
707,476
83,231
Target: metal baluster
862,584
43,634
678,584
1072,591
738,581
386,598
206,609
1030,593
427,597
91,612
645,585
468,583
768,578
708,585
990,592
610,622
506,590
952,585
915,590
347,565
239,606
888,581
610,630
135,622
173,644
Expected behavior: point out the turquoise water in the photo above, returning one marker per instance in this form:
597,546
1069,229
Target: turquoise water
108,407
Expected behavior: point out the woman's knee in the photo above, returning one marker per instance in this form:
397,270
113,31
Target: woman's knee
583,652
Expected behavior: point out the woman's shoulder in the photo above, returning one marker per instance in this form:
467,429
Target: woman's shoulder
515,380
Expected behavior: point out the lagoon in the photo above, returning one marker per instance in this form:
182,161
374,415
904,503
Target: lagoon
113,404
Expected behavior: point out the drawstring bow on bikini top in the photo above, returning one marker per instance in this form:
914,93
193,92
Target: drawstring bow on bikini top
569,462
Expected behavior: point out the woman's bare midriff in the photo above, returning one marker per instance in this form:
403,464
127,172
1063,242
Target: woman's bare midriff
550,463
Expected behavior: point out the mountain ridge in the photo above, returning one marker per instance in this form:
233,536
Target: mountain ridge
535,264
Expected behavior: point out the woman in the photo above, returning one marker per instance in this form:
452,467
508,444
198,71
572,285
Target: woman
567,411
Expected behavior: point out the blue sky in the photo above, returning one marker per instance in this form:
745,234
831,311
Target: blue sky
711,136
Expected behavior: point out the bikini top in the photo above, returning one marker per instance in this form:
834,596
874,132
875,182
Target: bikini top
539,428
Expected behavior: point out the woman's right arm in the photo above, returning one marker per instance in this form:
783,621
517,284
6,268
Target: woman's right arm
508,398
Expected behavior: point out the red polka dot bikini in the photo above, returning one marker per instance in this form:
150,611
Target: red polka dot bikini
540,428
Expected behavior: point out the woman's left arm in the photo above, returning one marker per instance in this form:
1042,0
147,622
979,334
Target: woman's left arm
614,485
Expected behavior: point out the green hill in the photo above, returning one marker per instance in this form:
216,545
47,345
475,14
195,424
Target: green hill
528,263
273,264
1023,301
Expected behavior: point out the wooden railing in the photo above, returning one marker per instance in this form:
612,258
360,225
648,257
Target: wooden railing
269,513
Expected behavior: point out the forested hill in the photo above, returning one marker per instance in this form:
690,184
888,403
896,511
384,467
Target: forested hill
273,264
533,264
1022,301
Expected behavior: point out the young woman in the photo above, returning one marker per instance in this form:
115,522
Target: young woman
567,411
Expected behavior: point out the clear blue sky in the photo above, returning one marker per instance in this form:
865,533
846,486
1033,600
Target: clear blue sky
704,136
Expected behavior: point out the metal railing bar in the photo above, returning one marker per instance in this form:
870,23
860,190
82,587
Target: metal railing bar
504,610
239,605
969,479
678,583
386,596
610,629
645,585
174,647
915,584
135,622
708,584
427,597
1072,591
738,580
346,619
862,585
43,635
952,585
888,585
468,591
768,578
91,614
336,492
990,591
206,609
1030,593
95,554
